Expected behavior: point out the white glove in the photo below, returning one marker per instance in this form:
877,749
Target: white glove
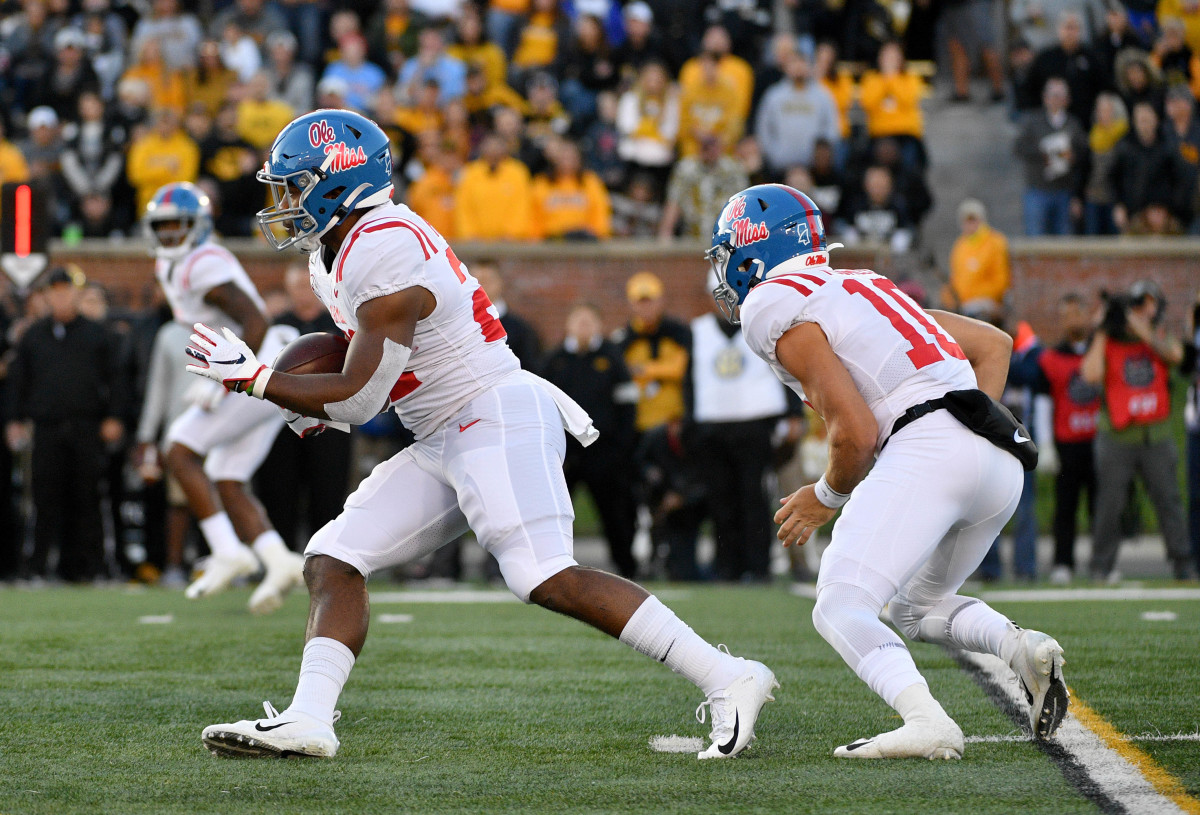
226,358
305,426
205,395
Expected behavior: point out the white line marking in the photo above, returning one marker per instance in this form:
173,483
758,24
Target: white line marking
676,744
1145,737
394,618
157,619
1054,595
1160,616
1120,780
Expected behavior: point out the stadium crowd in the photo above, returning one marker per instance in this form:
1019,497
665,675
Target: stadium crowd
589,119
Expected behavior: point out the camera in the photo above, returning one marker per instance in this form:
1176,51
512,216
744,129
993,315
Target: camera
1116,310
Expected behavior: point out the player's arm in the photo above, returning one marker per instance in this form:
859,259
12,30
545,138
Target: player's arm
805,352
242,310
374,361
988,349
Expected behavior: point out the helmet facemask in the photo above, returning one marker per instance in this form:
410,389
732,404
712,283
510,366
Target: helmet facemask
172,235
286,222
729,293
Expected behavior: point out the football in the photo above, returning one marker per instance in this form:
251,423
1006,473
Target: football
319,353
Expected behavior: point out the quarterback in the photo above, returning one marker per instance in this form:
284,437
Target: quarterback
426,341
216,445
922,462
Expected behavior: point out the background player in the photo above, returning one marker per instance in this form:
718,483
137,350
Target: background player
426,340
215,446
917,519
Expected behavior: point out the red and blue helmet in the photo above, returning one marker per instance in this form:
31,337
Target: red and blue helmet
758,229
321,167
177,220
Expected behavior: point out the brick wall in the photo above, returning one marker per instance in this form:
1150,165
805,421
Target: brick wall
543,281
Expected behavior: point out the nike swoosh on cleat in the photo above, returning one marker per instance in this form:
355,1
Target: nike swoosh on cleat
857,744
727,748
262,729
463,427
237,361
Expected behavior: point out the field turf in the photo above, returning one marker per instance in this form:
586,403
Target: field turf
505,708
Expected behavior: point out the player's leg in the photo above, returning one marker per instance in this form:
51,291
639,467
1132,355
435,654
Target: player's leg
374,531
507,470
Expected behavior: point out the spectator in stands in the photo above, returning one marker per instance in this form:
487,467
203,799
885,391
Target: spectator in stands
546,120
891,99
749,152
1052,146
718,43
1139,80
509,125
432,195
260,116
392,33
600,142
591,370
980,269
1109,126
648,121
363,79
1182,134
494,176
877,213
71,75
709,106
290,81
256,18
1076,406
539,41
43,152
793,114
432,62
63,382
179,33
656,350
841,86
643,42
1188,11
167,87
331,93
471,47
209,83
13,167
1146,176
1171,54
163,155
106,38
828,181
1190,367
239,51
1118,35
422,113
1130,358
909,180
569,202
232,162
504,21
636,211
523,338
587,68
769,68
1033,19
1072,61
93,157
698,188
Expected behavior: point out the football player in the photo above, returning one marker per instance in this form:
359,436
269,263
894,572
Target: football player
216,445
922,494
425,340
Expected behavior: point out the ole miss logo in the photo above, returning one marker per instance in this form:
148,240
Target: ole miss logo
816,260
744,231
345,158
320,133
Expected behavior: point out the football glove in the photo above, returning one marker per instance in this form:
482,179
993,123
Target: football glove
306,426
224,357
205,394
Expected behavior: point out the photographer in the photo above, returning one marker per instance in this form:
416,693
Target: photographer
1191,418
1130,358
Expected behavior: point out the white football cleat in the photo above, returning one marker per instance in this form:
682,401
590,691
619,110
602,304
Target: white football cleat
1038,663
941,738
221,570
279,735
285,571
735,709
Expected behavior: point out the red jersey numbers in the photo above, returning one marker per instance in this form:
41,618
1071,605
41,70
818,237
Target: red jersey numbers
902,314
487,317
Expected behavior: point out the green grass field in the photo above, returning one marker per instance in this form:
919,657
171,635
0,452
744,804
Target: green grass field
506,708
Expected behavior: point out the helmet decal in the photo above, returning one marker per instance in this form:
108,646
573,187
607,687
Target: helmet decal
321,133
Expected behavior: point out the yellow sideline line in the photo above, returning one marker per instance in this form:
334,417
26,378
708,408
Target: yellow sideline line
1163,782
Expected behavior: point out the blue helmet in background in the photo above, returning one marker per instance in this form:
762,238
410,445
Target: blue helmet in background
758,229
321,167
177,220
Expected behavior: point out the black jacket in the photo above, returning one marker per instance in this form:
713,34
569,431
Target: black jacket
68,374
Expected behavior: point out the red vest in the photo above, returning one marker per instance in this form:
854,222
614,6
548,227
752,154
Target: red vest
1076,403
1135,385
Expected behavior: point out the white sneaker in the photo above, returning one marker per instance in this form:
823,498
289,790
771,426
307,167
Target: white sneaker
735,709
285,571
941,738
285,735
221,570
1060,576
1038,663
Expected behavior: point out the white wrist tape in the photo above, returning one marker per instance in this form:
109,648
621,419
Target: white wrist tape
828,496
258,389
365,405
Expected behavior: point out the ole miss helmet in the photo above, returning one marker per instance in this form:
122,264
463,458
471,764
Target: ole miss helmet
321,167
177,220
758,229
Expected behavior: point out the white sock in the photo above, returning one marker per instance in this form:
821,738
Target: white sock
916,702
269,545
889,670
967,623
655,631
323,673
219,533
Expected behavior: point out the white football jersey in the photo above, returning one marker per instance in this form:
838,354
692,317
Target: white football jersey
187,281
459,350
897,355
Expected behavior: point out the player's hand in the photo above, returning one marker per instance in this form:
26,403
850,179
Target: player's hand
205,394
802,515
223,357
306,426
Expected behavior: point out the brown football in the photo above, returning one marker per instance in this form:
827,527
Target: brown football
319,353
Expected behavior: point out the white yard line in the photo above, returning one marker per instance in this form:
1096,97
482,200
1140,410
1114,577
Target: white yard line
1055,595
